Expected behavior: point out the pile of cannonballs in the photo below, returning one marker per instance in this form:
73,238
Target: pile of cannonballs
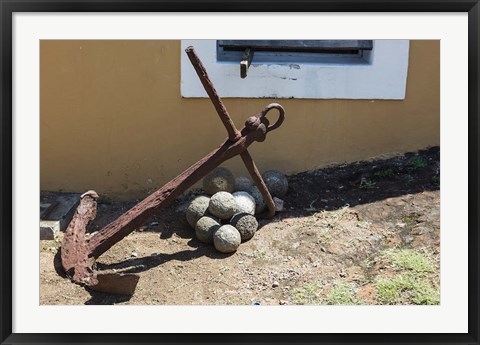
225,216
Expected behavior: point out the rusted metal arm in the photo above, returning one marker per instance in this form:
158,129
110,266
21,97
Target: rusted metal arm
233,133
140,213
74,252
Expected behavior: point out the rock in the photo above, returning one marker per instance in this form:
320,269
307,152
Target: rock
243,184
197,209
222,205
205,228
245,203
219,180
259,202
276,182
246,224
275,284
279,204
47,232
226,239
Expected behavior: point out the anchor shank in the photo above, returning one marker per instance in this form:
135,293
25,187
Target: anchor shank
233,133
140,213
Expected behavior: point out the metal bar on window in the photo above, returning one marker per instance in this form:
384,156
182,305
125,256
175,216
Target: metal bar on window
296,45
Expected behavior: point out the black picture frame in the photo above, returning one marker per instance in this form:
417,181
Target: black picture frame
8,7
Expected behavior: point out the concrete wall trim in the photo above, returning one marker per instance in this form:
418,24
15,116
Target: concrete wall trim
383,76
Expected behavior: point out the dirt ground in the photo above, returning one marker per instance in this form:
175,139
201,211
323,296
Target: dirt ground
362,233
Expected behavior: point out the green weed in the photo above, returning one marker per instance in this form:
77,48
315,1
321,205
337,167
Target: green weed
425,293
417,162
307,294
366,183
409,259
406,287
343,294
411,284
411,219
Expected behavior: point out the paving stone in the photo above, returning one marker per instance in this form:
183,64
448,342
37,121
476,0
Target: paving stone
56,212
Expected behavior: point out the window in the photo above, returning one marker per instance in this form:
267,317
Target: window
321,69
285,51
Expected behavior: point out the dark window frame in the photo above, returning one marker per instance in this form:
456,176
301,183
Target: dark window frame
351,52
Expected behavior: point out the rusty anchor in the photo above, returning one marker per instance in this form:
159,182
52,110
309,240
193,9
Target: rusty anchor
79,252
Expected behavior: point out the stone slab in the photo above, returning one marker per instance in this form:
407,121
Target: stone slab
56,212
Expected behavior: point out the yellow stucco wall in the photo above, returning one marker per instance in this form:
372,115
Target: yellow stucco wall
112,119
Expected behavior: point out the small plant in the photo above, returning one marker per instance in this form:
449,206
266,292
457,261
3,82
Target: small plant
417,162
385,173
343,294
436,181
307,294
366,183
406,287
409,259
411,219
411,284
424,293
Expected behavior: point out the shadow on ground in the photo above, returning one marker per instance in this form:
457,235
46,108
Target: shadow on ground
363,182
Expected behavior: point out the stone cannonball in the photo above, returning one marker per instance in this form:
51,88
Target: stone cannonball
205,228
219,180
246,224
226,239
197,209
260,204
276,182
243,184
222,205
245,203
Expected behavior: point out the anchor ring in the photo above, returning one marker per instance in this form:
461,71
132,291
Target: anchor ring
281,115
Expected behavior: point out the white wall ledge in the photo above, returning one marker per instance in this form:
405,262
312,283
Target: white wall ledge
383,76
